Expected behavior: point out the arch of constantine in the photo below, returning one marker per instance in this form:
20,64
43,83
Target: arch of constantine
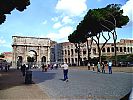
24,47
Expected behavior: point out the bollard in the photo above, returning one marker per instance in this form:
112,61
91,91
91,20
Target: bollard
28,77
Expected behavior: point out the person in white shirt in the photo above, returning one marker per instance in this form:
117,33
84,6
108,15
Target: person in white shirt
65,71
110,67
55,65
88,66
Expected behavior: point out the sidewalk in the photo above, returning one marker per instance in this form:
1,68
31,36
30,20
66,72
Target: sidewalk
12,87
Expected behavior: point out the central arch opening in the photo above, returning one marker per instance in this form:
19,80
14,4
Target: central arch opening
32,58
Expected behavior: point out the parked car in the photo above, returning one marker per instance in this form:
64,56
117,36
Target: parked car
122,64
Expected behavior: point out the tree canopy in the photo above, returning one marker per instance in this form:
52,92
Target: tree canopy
98,21
102,19
6,6
2,55
76,37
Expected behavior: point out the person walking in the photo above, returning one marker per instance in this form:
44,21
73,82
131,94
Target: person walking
93,67
51,67
88,66
65,71
43,67
110,67
103,67
54,66
98,67
23,69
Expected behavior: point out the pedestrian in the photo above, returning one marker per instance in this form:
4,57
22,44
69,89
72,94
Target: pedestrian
88,66
27,66
103,67
48,66
5,65
55,66
93,67
8,67
51,66
98,67
65,71
1,66
43,67
110,67
23,69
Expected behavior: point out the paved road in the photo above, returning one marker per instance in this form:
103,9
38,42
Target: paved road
12,87
84,84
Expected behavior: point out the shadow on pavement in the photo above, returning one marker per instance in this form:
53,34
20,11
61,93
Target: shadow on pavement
126,97
11,78
13,87
42,76
61,79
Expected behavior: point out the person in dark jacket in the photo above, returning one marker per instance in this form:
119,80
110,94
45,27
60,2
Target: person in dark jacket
23,69
43,66
103,67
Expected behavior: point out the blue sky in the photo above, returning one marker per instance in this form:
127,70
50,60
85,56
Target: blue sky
56,19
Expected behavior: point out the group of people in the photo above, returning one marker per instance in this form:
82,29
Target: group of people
44,67
64,66
101,67
50,66
4,65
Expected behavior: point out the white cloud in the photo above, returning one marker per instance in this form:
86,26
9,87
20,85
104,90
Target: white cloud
2,41
45,22
65,31
72,7
62,34
128,9
55,19
57,25
67,20
7,45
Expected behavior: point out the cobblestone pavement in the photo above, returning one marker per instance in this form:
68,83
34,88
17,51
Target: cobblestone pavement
12,87
84,85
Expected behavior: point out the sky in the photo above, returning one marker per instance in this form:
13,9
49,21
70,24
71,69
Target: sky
56,19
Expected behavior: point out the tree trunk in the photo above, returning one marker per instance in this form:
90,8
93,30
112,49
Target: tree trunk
115,38
78,54
88,51
115,51
99,50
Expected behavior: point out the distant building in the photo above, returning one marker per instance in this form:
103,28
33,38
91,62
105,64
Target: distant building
8,56
66,51
56,52
52,51
46,50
